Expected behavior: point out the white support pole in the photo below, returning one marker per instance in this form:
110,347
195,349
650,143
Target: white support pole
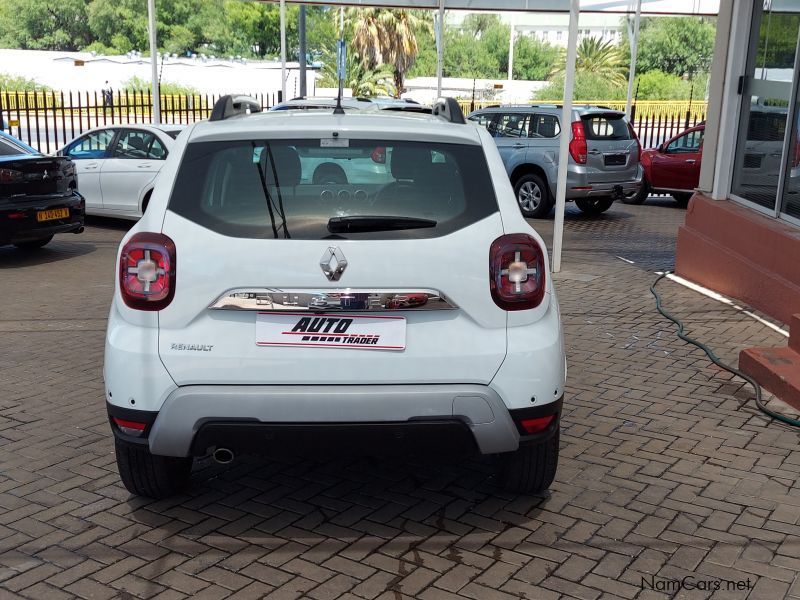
151,16
439,48
634,41
566,134
511,51
283,50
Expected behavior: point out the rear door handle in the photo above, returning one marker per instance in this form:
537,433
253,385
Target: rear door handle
594,152
691,161
91,166
518,146
143,166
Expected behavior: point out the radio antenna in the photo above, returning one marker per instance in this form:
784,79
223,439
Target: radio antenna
341,66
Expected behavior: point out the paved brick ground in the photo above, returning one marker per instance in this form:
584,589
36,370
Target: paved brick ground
663,474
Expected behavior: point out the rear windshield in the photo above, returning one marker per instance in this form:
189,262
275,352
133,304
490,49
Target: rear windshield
606,127
292,189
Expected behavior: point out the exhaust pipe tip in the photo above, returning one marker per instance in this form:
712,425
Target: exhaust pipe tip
223,456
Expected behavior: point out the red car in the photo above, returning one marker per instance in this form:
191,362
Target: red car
672,168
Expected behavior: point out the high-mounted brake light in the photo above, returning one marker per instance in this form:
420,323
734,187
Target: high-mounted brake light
577,145
516,272
147,271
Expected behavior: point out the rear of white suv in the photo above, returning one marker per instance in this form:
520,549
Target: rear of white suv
360,280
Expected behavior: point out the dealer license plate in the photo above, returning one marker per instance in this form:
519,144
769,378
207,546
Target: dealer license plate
331,330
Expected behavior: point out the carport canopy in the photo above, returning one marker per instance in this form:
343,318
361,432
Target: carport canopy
572,7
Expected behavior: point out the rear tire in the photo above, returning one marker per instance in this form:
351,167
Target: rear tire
34,244
640,196
594,206
682,200
151,475
533,196
532,468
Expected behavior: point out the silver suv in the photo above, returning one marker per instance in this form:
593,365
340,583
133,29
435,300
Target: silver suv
604,163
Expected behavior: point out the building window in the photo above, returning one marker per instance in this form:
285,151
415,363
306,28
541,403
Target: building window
762,173
558,35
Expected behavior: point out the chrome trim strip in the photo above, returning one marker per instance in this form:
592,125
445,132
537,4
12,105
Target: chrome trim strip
323,300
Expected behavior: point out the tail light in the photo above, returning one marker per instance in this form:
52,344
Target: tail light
147,271
516,272
379,155
638,143
10,176
577,145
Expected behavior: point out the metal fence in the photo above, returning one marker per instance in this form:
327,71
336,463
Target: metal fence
48,120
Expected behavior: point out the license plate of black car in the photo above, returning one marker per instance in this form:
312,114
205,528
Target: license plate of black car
615,160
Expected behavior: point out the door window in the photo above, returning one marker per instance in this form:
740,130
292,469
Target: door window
514,125
92,145
545,126
687,143
141,145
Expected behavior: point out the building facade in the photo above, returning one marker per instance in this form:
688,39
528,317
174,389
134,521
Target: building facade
742,230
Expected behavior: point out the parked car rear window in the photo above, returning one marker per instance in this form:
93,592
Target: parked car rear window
606,127
291,189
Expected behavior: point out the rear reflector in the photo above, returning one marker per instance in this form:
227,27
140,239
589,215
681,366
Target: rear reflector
130,427
537,425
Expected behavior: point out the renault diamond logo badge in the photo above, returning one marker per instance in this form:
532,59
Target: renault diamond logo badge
333,263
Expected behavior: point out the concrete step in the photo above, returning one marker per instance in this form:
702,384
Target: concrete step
777,369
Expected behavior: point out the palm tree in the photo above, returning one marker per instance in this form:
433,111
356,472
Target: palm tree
387,36
363,82
600,58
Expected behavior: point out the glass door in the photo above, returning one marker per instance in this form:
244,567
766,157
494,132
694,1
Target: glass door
768,96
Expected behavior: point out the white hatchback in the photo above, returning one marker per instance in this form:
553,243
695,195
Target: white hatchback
117,166
317,281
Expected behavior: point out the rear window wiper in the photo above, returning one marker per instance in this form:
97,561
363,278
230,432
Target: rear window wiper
362,223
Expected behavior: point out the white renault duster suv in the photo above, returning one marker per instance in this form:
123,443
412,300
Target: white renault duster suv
303,278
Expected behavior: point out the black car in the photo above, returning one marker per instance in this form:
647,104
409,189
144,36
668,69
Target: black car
38,196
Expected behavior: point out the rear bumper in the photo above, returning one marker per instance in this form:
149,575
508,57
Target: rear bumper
18,222
194,419
580,185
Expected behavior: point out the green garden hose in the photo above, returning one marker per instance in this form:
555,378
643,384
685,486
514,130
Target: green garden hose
713,357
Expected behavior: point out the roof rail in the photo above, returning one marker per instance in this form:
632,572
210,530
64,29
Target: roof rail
449,109
234,106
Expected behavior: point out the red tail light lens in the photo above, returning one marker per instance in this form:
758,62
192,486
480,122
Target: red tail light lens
147,271
638,143
577,145
379,155
130,427
537,425
10,176
516,272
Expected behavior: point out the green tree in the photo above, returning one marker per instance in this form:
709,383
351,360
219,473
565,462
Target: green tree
43,24
534,59
362,82
387,36
676,45
596,57
587,86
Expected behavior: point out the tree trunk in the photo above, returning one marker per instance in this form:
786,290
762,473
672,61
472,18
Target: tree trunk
398,83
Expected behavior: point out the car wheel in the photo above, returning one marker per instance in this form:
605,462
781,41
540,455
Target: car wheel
34,244
150,475
531,468
640,196
594,206
532,196
682,200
